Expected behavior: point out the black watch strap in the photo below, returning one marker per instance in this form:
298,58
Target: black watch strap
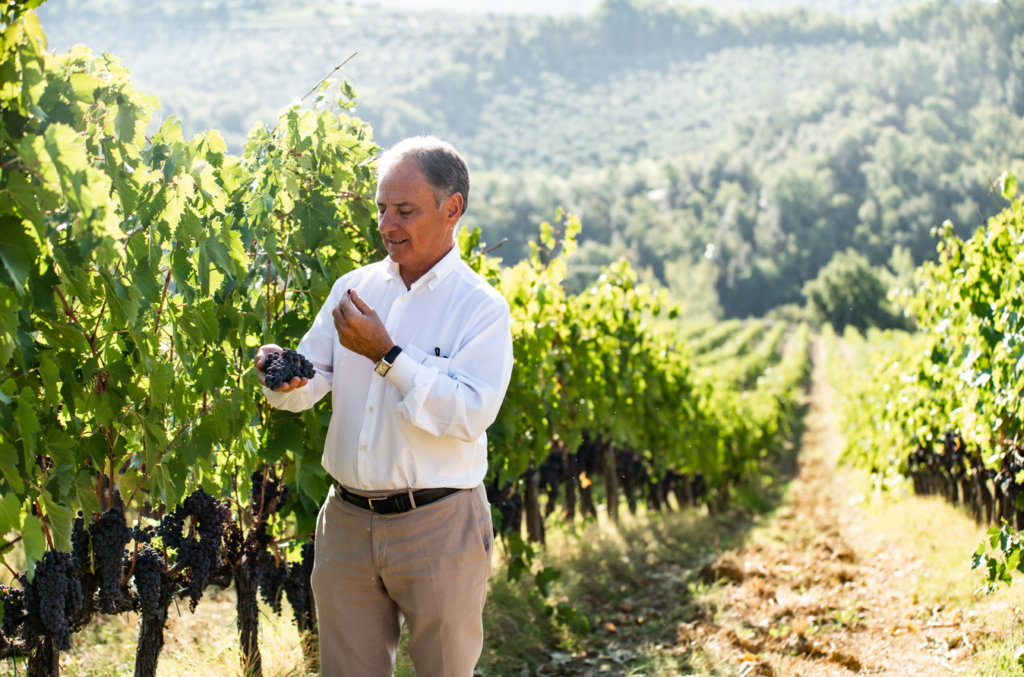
392,355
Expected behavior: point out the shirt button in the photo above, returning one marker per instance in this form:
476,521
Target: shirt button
371,408
363,447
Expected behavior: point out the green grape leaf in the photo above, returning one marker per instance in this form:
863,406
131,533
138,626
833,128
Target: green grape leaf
281,439
10,514
199,445
210,372
122,301
85,86
9,466
160,379
1009,182
50,374
61,518
129,482
86,494
26,415
9,308
60,447
24,196
199,322
19,252
34,541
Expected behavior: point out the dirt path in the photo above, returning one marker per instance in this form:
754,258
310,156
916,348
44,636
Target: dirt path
815,595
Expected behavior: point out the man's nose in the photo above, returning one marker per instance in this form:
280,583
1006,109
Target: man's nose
385,222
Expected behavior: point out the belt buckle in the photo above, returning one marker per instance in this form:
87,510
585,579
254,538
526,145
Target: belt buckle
372,509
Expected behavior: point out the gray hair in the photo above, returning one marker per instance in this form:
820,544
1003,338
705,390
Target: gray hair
441,164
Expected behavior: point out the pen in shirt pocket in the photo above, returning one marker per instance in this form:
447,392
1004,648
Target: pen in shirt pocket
437,353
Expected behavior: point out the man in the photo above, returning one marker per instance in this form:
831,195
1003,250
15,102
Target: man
416,352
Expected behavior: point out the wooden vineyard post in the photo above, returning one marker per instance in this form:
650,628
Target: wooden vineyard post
534,517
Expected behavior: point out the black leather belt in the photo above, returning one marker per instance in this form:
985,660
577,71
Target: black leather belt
396,503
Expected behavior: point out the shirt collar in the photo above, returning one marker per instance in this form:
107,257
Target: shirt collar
433,277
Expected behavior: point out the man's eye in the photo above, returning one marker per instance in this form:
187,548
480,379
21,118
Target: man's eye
405,213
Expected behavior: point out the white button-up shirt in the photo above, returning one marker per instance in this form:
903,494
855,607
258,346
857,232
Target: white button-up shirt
424,425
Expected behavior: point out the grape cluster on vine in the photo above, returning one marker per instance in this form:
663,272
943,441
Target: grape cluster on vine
54,594
271,579
148,575
110,535
142,534
267,496
297,586
81,544
14,609
282,367
198,549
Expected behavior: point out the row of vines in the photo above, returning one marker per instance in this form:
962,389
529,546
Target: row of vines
942,407
139,463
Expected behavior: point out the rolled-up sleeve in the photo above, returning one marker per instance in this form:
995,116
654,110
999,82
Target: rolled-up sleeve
318,347
458,397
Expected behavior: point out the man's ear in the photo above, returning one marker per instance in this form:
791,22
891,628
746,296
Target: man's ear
453,208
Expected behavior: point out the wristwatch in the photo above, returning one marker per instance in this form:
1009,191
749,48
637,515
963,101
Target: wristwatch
385,363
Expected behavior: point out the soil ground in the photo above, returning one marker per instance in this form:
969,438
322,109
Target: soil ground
821,592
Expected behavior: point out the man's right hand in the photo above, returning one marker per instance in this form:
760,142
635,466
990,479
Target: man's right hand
261,356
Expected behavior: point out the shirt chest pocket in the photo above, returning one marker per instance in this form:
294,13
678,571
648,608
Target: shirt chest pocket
439,363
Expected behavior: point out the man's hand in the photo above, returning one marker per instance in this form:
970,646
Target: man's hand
360,329
261,356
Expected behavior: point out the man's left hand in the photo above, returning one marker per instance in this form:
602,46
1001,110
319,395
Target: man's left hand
360,329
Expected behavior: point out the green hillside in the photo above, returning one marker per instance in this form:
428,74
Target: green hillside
629,81
728,155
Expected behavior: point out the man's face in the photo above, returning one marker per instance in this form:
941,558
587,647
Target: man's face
416,233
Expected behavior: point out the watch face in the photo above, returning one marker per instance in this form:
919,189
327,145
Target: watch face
382,368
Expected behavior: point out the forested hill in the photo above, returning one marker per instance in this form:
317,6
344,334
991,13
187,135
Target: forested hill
730,156
632,80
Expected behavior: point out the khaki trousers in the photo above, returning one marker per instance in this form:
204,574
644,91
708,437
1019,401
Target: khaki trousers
429,566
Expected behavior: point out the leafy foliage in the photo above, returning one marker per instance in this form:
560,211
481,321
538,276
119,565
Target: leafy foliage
848,291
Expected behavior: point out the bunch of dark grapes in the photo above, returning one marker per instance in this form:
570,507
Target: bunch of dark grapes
282,367
271,494
297,586
148,575
81,544
14,609
199,552
297,594
308,554
143,534
54,594
110,535
75,596
271,579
